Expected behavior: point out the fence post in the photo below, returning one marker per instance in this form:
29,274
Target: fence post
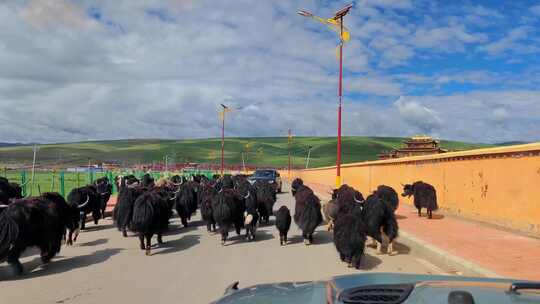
23,183
78,180
91,176
62,184
53,178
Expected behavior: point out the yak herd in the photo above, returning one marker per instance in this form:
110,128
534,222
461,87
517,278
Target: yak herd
226,203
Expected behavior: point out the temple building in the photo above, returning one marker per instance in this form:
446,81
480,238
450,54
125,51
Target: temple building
415,146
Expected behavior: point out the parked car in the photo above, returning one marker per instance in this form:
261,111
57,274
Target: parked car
269,175
389,288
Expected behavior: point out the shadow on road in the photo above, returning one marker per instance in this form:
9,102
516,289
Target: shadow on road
294,239
369,262
323,237
400,217
401,248
180,244
437,217
36,268
94,243
99,227
260,235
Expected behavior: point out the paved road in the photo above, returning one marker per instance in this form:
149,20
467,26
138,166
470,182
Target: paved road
191,267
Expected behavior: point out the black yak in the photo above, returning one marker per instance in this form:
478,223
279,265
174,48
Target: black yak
123,210
104,189
283,224
266,198
147,181
127,180
296,183
88,200
228,210
350,231
342,196
388,195
379,216
151,215
8,192
207,197
425,196
185,203
226,182
37,221
307,212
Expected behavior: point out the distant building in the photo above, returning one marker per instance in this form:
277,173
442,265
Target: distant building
91,168
415,146
110,166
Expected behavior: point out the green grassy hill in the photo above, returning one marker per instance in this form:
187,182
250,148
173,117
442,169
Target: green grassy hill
261,151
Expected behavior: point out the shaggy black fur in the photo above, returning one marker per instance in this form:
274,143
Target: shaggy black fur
296,183
147,181
104,189
37,221
151,215
266,198
283,224
208,196
425,196
228,211
388,195
9,191
307,212
88,200
123,210
350,236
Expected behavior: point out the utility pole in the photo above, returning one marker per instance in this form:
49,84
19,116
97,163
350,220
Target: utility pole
225,109
289,148
33,169
308,155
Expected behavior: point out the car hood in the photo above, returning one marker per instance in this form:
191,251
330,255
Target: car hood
432,289
290,292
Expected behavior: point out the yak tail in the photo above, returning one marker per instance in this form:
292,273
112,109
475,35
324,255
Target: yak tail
9,231
143,213
311,217
390,228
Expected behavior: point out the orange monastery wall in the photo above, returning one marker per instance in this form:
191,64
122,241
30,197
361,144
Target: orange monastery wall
495,185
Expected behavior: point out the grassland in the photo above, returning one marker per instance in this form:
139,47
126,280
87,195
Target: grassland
265,151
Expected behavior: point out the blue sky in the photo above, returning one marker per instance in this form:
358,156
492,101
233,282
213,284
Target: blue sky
82,70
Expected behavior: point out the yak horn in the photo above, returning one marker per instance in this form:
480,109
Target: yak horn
245,197
133,185
85,203
4,206
357,200
174,198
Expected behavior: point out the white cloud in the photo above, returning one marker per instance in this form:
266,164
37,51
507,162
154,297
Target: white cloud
389,4
44,13
452,38
514,40
373,86
418,115
66,76
535,9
